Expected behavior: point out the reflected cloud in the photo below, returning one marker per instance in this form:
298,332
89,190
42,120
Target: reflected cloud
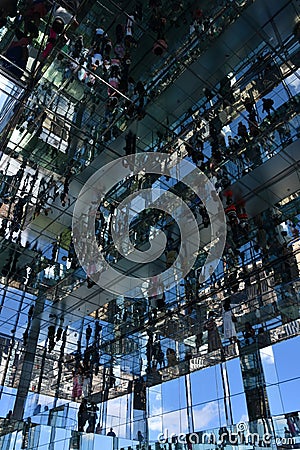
267,355
293,81
203,416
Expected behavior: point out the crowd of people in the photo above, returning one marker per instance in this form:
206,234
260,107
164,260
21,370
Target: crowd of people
109,55
28,24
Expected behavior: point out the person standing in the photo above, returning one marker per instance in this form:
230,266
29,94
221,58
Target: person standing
8,418
92,418
242,132
213,337
140,438
88,334
228,322
213,278
291,426
111,433
82,415
77,386
249,333
268,105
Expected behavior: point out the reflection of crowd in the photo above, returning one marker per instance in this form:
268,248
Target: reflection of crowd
293,425
87,413
27,27
254,141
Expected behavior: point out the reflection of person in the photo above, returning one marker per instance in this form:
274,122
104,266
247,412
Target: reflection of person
140,437
111,433
213,278
249,333
263,338
268,105
25,433
82,415
213,337
287,433
171,357
88,333
229,328
77,386
291,427
8,418
295,417
8,9
92,418
18,52
98,428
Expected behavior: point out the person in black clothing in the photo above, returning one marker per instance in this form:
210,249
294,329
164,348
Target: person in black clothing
242,132
111,433
51,337
59,333
140,438
92,417
98,329
25,433
78,47
8,418
8,9
30,312
88,334
249,105
130,147
25,337
249,333
82,415
268,105
17,54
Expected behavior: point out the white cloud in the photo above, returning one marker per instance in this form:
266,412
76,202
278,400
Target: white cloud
293,81
243,418
155,424
174,422
203,416
267,355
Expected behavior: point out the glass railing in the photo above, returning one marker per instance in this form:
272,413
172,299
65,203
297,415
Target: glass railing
281,431
274,316
193,45
54,76
27,143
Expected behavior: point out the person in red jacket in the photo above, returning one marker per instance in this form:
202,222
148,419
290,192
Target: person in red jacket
17,53
56,29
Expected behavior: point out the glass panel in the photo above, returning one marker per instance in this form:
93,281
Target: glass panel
239,408
290,395
204,385
116,415
235,376
209,415
155,400
287,364
173,395
268,363
155,427
275,401
175,423
104,442
7,402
